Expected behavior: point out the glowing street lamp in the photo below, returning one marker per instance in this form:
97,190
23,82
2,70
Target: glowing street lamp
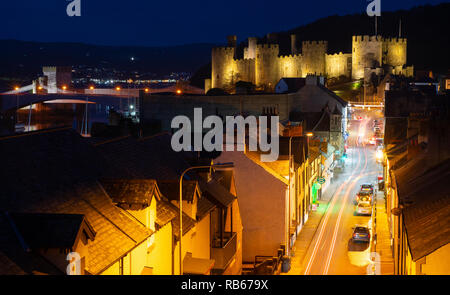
118,88
178,91
91,87
309,134
147,90
16,88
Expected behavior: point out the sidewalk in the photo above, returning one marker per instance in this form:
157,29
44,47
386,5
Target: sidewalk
308,231
382,244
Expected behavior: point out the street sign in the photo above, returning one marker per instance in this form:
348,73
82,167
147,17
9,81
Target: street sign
321,180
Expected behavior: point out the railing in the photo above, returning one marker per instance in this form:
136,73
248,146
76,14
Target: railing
223,254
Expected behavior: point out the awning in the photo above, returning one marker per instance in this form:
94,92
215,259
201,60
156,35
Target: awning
197,266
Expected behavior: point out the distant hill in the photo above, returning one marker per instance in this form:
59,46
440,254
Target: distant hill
426,27
25,59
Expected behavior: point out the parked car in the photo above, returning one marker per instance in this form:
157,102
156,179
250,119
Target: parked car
361,233
363,196
367,187
364,208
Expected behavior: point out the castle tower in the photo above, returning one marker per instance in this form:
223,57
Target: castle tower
223,66
395,52
294,44
367,52
250,51
313,57
266,65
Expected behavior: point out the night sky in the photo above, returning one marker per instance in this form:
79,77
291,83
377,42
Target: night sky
156,23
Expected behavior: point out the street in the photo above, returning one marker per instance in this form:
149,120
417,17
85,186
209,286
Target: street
332,250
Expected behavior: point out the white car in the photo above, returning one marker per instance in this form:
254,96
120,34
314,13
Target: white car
364,208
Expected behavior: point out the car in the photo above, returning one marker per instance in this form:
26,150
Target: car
364,208
363,196
361,233
367,187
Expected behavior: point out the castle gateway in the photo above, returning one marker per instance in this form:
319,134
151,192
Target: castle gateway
264,67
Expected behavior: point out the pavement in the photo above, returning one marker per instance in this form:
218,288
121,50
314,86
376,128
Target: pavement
384,263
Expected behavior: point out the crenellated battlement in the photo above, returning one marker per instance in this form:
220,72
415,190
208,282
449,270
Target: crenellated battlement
313,44
338,54
290,56
223,49
267,46
367,38
395,40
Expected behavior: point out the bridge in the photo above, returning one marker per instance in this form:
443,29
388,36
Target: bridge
13,102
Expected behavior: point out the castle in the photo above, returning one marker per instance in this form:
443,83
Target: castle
263,66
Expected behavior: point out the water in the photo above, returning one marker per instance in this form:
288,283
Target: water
52,115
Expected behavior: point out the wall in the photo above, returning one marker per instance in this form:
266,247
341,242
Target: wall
165,107
160,252
262,200
313,57
338,65
438,262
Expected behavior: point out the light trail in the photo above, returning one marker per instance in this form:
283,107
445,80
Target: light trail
336,228
327,215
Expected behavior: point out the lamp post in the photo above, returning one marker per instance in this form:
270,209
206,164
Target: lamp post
218,165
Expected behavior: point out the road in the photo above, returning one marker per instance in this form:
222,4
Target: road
332,252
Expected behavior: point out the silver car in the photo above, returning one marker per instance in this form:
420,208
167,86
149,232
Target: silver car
364,208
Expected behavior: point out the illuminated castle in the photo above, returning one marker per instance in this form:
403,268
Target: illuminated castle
263,66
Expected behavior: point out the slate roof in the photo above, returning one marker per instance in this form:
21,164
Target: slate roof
216,193
165,213
224,177
131,191
14,260
293,84
43,231
55,172
171,189
426,198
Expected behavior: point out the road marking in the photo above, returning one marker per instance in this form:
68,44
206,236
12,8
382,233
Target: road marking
327,215
336,227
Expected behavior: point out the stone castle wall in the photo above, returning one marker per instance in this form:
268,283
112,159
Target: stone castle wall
337,65
263,66
313,54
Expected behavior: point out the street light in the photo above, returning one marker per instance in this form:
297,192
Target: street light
218,165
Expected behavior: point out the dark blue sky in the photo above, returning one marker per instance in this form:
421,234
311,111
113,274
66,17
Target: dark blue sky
169,22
